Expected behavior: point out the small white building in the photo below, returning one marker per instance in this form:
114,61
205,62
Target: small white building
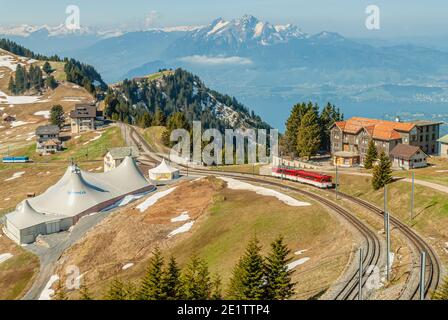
163,172
444,146
114,157
407,157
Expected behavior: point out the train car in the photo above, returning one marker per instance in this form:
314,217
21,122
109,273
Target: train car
15,159
312,178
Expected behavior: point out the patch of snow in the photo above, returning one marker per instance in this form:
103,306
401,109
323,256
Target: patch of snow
9,62
127,266
44,113
195,180
221,24
238,185
19,123
16,175
5,256
77,137
7,199
441,171
296,263
30,137
184,228
153,199
183,217
47,293
299,252
12,100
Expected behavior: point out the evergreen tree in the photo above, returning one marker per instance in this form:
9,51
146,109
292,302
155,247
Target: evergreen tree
279,282
57,115
59,292
84,293
47,68
12,85
308,135
292,125
171,284
216,288
248,277
329,115
51,82
159,118
150,288
117,291
371,156
20,79
442,292
196,284
382,173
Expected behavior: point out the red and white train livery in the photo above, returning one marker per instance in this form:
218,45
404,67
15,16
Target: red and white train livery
315,179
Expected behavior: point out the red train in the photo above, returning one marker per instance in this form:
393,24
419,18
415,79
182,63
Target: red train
307,177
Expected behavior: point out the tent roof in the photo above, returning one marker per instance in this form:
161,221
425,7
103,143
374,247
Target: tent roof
163,167
78,191
25,216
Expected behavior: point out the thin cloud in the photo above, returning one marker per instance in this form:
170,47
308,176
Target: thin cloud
216,60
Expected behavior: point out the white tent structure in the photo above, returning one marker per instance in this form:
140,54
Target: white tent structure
76,194
163,172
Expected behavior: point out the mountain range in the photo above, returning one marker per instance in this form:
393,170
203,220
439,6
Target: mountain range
268,67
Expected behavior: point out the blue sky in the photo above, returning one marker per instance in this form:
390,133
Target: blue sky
398,18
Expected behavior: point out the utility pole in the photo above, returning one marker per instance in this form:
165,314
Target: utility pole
422,275
337,182
385,205
412,197
360,275
387,246
281,163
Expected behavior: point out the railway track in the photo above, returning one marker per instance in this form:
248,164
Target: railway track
371,257
371,242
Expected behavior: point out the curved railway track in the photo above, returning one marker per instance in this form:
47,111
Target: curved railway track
372,244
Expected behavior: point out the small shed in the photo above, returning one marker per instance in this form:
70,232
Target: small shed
163,172
345,159
114,157
407,157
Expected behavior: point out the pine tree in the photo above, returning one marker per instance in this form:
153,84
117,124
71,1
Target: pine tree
371,156
51,82
216,288
117,291
279,282
442,292
159,118
171,284
59,292
382,173
84,293
150,288
12,85
47,68
329,115
308,135
57,115
196,283
248,277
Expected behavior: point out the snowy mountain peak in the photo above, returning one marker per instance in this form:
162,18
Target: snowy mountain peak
249,29
52,31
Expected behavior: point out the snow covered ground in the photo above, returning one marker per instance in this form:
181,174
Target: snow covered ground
44,113
153,199
183,217
184,228
238,185
12,100
127,266
9,62
5,256
47,293
19,123
297,263
16,175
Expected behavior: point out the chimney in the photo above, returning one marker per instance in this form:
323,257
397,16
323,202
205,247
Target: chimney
397,119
